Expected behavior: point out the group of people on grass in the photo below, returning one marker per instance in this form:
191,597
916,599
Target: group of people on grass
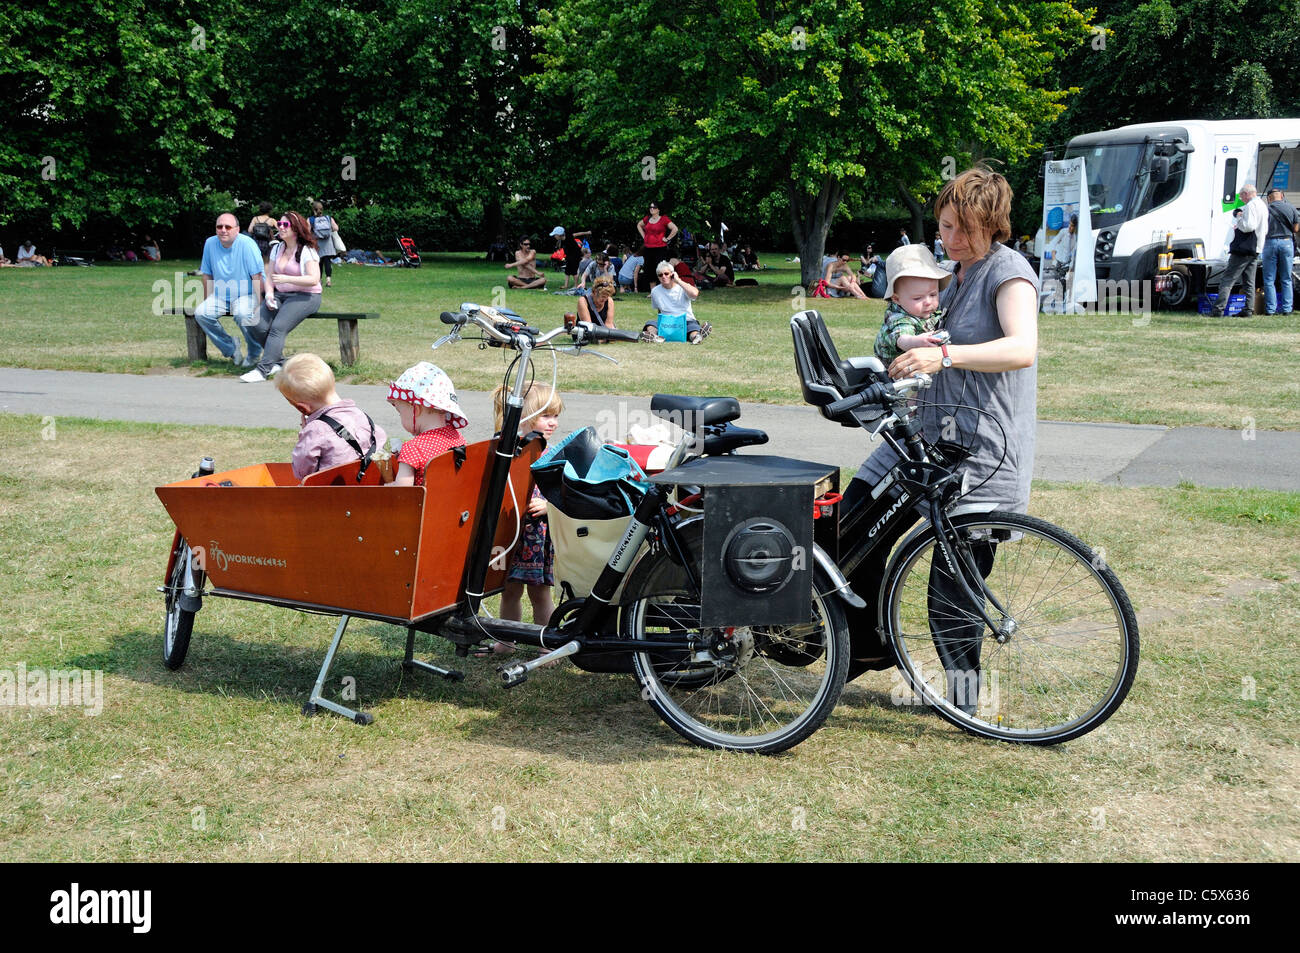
26,257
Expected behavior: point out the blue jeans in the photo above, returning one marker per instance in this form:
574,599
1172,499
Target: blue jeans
208,315
1277,265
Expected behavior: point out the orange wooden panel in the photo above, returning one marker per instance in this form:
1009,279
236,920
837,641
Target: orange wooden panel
451,517
345,474
392,551
350,548
259,474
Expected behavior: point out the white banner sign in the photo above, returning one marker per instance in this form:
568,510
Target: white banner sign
1066,273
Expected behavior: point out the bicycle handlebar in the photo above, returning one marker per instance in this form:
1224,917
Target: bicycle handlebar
883,394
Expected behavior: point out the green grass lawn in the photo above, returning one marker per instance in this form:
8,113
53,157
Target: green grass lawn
1172,369
215,762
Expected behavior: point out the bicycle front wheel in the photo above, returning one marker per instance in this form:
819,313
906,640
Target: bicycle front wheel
1063,650
761,689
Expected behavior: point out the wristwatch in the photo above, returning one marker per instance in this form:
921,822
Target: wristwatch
947,361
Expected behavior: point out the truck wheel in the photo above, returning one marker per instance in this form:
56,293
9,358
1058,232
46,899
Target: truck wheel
1175,296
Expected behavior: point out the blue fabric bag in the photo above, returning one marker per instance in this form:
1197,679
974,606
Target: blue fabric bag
672,327
587,479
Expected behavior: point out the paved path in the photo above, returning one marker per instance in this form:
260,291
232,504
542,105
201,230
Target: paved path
1119,454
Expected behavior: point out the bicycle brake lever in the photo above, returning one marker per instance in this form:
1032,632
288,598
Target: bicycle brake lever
453,335
886,421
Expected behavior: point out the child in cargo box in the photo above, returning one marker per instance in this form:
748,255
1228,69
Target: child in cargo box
533,563
425,399
308,384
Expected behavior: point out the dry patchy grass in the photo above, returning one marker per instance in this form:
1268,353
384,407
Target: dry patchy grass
215,762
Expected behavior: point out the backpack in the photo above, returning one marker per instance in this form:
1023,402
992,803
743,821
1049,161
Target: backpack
262,234
321,226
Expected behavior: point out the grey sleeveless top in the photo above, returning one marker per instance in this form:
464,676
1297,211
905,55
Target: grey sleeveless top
1008,398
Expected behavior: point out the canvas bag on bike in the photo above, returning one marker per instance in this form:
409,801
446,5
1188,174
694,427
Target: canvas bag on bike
591,490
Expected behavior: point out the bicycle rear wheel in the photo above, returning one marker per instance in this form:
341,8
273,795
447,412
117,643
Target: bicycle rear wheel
1065,649
761,689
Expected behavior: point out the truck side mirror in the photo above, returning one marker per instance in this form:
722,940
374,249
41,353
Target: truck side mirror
1159,170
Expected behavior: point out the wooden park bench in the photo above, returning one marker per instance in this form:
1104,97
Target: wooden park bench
196,342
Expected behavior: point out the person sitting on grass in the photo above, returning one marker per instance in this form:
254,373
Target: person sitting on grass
672,296
426,400
840,280
333,430
27,255
630,274
526,261
597,305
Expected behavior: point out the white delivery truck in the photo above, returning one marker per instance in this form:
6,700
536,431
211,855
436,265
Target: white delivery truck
1171,187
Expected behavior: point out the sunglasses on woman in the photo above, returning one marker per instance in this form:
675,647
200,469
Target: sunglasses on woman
283,223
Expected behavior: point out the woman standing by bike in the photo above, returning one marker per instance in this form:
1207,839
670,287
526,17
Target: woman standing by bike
985,391
292,293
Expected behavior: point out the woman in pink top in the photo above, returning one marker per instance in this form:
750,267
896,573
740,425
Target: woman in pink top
656,231
292,293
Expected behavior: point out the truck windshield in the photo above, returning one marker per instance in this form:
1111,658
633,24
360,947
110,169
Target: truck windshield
1119,181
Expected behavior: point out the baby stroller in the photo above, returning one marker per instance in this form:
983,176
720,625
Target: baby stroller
410,255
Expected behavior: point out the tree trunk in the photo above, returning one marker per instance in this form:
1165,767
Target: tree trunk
917,230
810,221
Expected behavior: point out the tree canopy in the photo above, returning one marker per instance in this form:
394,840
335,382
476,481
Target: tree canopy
458,116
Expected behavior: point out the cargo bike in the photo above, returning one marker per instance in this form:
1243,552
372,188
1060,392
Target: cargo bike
720,586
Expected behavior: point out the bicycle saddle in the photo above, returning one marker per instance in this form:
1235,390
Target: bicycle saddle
694,413
728,438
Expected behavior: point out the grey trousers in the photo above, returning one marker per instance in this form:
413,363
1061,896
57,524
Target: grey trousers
1240,268
273,327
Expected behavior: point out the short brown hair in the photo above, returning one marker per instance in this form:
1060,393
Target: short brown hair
305,377
981,200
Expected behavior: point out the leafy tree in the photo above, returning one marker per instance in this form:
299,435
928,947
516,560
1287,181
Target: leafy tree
112,110
819,103
1191,59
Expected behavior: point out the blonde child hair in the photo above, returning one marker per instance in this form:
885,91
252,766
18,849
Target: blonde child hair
538,399
305,378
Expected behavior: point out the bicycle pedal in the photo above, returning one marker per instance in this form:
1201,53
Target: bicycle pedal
512,675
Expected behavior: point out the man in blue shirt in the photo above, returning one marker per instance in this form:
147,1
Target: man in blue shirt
232,284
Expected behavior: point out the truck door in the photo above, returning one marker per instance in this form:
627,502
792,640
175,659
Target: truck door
1234,165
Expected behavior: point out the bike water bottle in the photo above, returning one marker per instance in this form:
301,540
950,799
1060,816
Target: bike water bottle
206,467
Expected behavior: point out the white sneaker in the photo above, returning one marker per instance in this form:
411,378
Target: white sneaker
275,370
253,377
